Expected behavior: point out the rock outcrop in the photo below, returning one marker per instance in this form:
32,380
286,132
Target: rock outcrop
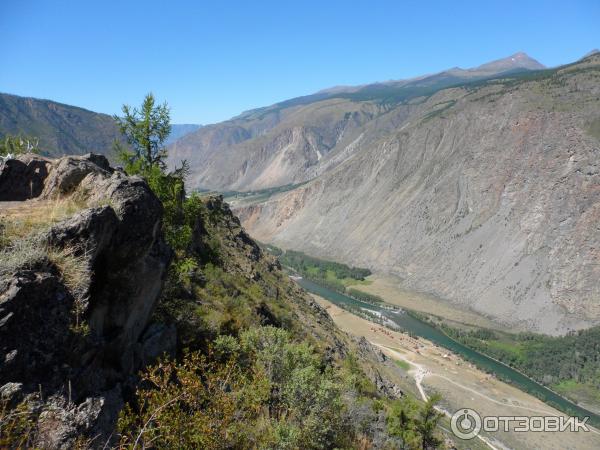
23,178
75,318
72,352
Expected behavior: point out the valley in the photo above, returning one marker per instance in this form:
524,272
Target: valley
462,385
482,195
300,226
355,295
450,192
415,326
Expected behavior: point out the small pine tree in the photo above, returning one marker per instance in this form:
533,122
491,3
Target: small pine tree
427,423
145,130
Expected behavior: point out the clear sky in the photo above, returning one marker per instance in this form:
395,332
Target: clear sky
213,60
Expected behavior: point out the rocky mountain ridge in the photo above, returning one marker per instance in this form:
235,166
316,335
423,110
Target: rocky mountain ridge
295,140
102,266
484,194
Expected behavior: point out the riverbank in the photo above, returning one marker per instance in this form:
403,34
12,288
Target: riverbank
411,324
534,356
462,385
390,289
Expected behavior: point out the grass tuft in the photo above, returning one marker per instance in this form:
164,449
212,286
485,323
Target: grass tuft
30,253
32,217
22,254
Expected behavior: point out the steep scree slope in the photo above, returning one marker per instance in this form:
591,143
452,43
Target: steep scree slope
486,195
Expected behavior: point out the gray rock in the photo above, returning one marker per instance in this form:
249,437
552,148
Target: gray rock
35,340
157,341
74,376
23,178
90,231
68,172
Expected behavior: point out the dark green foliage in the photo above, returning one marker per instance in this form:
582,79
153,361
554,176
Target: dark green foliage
145,130
544,358
363,296
261,390
318,268
415,423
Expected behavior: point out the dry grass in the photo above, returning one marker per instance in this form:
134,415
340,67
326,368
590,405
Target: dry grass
72,263
31,253
22,247
23,219
17,426
22,254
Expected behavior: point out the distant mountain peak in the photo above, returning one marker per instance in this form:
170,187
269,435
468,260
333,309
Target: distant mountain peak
590,53
519,60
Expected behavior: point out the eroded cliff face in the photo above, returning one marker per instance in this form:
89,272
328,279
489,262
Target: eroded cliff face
486,196
75,308
268,149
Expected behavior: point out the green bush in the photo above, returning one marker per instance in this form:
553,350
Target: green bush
260,390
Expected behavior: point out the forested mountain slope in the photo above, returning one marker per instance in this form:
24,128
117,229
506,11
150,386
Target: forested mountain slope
61,129
65,129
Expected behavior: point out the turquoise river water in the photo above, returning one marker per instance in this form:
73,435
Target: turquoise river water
433,334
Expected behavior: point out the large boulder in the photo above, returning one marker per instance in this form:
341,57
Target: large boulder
67,173
23,178
34,327
70,349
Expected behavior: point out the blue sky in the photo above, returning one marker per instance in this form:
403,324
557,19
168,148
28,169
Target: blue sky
212,60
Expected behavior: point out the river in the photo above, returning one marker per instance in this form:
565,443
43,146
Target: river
433,334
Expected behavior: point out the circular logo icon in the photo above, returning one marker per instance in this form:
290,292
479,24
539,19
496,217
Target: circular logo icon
465,423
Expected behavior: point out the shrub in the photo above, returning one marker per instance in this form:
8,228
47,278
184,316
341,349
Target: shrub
260,390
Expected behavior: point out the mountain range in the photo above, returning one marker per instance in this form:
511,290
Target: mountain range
479,186
295,140
65,129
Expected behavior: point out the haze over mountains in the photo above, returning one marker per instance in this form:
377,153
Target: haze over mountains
480,185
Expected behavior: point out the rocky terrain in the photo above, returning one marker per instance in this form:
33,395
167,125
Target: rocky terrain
483,193
298,139
101,266
85,303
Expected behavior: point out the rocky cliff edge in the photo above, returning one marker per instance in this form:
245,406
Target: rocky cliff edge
82,263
